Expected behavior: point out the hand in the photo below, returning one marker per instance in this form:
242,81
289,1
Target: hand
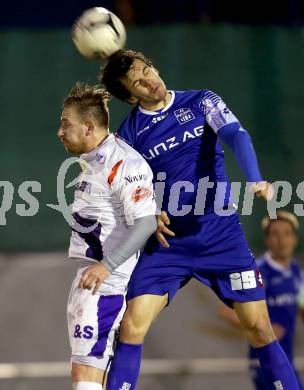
94,275
279,331
263,189
162,221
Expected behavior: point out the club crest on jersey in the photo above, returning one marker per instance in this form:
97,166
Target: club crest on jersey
184,115
83,186
100,158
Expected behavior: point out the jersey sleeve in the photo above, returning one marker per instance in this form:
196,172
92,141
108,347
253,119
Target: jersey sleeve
229,130
216,112
133,185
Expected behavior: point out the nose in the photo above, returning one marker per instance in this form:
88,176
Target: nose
148,83
59,132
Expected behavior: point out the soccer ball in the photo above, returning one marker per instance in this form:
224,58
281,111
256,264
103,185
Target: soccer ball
98,33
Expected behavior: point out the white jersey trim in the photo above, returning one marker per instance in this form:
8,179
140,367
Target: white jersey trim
273,264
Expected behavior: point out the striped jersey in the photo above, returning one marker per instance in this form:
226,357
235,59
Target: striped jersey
114,188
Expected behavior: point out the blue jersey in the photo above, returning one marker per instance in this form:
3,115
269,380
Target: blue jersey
181,140
282,287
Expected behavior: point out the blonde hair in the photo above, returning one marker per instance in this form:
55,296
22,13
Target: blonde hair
282,216
90,101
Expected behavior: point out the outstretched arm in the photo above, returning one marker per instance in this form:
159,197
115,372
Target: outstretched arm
132,242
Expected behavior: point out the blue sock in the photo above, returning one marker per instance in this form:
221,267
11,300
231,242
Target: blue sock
125,367
277,371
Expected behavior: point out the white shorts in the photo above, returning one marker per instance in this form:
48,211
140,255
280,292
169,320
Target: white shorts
93,320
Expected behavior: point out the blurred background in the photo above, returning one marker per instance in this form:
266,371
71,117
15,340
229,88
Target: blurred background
251,54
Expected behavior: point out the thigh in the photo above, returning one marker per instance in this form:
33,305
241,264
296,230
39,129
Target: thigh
140,314
225,263
249,313
93,322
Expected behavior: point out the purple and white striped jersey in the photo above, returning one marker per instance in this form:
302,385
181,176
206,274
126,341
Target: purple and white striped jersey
112,190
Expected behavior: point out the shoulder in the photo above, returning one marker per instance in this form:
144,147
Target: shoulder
296,268
124,159
127,129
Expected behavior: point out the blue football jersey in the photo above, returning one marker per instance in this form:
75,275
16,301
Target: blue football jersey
181,141
282,287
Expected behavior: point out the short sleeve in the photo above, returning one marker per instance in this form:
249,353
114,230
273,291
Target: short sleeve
133,185
216,111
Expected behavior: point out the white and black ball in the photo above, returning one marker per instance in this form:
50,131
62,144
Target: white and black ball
98,33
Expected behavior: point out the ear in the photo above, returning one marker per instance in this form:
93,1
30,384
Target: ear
90,127
132,100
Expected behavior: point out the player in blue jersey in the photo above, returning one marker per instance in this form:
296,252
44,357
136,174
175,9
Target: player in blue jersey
283,283
178,133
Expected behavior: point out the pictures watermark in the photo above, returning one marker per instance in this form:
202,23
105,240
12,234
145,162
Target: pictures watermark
180,198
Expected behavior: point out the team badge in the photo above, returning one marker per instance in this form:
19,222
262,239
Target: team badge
184,115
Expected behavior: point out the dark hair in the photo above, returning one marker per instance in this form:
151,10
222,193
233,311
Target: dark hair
117,67
90,101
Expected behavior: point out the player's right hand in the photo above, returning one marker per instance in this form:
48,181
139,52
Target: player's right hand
264,190
162,221
93,276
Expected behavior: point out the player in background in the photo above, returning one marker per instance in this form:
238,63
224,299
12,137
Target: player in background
114,187
177,132
284,288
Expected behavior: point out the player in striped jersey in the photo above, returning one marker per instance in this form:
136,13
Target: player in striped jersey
114,214
178,132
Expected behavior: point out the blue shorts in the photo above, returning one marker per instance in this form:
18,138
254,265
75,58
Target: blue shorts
215,252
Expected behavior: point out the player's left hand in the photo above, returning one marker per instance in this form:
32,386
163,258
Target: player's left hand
263,189
93,276
162,221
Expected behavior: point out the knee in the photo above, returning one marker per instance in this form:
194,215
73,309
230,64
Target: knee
134,328
259,332
82,372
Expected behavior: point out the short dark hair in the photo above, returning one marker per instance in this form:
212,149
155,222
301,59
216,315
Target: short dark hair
117,67
90,101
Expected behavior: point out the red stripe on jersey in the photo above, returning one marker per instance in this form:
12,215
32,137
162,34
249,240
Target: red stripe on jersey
114,172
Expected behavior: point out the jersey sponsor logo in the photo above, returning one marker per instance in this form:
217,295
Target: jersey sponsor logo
83,186
140,193
132,179
83,333
282,300
184,115
172,142
159,118
243,280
